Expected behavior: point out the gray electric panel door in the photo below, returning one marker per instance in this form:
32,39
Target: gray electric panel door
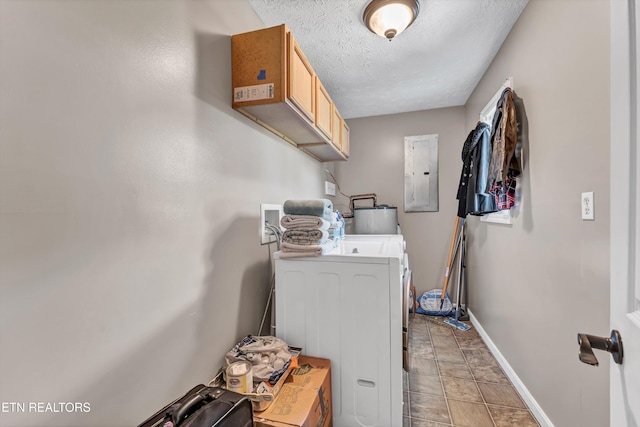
421,173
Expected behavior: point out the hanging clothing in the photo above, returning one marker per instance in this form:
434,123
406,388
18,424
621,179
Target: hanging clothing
504,165
504,139
473,194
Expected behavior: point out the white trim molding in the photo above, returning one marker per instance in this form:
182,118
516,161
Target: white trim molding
635,318
533,405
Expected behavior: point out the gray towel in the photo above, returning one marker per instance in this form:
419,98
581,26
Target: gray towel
305,237
317,207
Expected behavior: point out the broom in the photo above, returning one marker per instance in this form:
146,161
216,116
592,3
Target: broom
455,321
447,272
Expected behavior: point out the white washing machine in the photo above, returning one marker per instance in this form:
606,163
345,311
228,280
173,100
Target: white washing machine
347,306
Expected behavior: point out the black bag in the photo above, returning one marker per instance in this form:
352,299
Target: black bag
205,407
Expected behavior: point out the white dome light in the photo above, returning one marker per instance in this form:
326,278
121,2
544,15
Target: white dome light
388,18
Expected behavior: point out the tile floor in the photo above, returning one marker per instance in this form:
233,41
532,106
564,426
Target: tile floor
455,381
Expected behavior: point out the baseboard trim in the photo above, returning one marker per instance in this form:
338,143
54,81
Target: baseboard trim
536,410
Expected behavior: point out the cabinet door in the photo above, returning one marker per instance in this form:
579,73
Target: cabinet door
324,109
336,137
301,80
345,134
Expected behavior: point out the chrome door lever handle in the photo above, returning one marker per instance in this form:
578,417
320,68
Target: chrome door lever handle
612,345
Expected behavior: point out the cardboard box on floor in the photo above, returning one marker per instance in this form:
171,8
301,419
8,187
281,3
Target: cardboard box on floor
304,399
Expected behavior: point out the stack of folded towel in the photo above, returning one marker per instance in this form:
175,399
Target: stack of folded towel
312,228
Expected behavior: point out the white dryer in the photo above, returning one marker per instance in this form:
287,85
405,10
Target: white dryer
347,306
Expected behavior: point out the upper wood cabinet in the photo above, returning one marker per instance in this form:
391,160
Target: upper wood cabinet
336,128
344,136
324,110
340,135
275,85
302,79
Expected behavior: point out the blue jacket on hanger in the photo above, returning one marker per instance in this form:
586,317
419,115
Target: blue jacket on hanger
473,195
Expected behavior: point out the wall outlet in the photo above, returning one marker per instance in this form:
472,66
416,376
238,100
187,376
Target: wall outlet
588,208
269,214
329,188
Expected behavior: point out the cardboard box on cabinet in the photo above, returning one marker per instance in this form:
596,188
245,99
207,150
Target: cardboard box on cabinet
304,399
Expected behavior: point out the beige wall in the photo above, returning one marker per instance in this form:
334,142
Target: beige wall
539,282
535,284
376,165
129,195
129,203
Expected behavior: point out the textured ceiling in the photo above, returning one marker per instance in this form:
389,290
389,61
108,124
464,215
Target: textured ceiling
435,63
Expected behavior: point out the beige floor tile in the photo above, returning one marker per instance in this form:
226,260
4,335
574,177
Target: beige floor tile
445,341
508,417
417,422
459,389
417,320
436,322
423,366
468,333
425,384
419,347
479,357
468,414
501,394
419,336
454,369
440,330
419,339
422,352
449,354
429,407
417,323
452,375
489,374
471,343
419,328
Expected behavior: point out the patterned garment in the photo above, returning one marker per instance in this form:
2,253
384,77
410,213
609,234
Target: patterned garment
505,193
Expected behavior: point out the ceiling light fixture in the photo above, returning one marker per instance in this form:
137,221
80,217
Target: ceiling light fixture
388,18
